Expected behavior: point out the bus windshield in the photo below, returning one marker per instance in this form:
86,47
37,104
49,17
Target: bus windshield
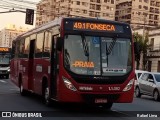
95,55
4,58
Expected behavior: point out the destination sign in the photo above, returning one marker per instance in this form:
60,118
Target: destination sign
4,49
100,27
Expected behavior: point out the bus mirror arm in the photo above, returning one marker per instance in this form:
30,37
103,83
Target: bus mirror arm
59,43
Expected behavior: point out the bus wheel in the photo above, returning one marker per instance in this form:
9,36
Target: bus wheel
23,92
46,96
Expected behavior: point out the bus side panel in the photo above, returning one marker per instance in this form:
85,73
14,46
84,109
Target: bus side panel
13,67
25,72
41,70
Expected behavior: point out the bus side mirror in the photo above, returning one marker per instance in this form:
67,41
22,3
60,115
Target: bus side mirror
136,48
59,43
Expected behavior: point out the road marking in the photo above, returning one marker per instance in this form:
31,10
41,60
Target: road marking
3,81
122,112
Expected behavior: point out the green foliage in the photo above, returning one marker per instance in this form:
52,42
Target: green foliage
142,41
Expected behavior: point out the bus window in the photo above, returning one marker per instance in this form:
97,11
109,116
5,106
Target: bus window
47,44
21,49
39,45
13,49
4,58
26,49
17,49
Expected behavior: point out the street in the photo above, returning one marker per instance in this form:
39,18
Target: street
12,101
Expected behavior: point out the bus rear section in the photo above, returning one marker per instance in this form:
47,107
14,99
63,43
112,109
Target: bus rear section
77,60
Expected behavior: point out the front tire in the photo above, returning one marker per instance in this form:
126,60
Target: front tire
156,95
137,92
46,96
23,92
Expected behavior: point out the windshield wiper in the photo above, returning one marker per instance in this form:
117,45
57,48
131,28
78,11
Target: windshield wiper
85,46
110,48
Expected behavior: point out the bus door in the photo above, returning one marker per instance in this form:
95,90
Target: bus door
31,65
54,64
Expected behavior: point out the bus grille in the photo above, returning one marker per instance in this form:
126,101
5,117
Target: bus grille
99,80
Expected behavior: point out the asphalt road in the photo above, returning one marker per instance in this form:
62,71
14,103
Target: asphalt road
12,101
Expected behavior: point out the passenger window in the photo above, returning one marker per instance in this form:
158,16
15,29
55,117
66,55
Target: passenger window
21,49
26,48
39,45
150,77
17,48
13,49
47,44
144,76
139,74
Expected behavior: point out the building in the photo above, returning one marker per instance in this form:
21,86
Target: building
9,33
154,51
138,12
45,11
48,10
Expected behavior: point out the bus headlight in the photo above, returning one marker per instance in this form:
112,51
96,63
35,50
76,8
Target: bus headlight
68,84
129,85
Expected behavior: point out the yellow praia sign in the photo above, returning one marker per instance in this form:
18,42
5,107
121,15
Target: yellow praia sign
83,64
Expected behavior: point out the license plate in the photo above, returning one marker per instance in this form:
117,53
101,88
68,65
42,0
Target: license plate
101,100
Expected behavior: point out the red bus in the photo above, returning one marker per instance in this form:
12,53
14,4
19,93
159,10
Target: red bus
76,60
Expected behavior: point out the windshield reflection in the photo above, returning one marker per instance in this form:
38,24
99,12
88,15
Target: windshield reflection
88,55
157,76
4,59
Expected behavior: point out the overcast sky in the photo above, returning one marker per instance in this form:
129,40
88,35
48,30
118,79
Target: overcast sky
14,18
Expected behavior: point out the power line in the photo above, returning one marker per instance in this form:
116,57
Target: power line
20,5
12,7
13,11
24,1
10,4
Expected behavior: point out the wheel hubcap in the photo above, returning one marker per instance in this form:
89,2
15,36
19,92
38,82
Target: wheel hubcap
155,95
46,94
21,88
137,91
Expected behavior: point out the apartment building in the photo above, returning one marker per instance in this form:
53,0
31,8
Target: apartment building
45,11
138,12
48,10
9,33
154,50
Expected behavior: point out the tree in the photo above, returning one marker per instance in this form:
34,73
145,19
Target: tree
143,46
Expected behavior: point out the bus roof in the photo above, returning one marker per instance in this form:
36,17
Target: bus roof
42,27
58,22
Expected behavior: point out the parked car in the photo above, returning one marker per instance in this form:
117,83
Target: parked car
148,84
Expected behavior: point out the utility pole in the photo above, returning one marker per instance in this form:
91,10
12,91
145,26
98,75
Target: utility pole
68,8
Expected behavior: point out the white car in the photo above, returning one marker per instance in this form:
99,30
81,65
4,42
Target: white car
138,74
148,84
